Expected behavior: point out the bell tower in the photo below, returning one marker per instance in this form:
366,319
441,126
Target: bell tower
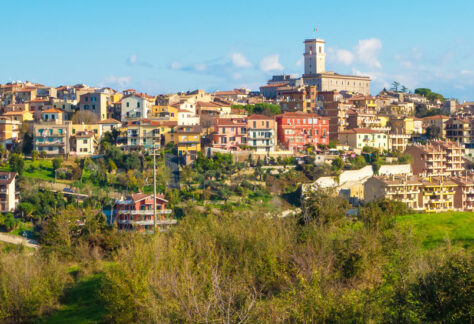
314,56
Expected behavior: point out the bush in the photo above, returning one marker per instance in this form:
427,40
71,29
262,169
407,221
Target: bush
29,286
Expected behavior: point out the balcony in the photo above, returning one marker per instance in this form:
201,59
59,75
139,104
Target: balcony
144,212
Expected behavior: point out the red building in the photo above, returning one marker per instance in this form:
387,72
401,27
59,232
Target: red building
297,129
136,212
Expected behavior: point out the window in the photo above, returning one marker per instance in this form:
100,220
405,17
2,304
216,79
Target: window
84,141
254,124
93,107
268,124
128,104
138,104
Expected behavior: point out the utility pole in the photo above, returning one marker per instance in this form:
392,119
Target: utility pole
154,188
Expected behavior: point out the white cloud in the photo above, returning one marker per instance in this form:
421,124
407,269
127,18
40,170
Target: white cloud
239,60
344,56
466,72
200,67
271,63
176,65
300,62
112,80
368,50
132,59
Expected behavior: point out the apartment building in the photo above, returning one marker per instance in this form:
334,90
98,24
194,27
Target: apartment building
52,135
188,140
95,102
148,133
136,212
437,158
297,129
357,138
229,133
83,143
9,132
459,130
261,133
464,193
135,106
431,194
9,197
438,121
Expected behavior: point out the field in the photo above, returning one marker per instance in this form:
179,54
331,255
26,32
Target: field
438,229
40,169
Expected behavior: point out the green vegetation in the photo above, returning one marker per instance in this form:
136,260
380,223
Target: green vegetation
454,228
80,304
39,169
260,108
432,96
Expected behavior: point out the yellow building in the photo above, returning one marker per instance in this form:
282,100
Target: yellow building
20,116
166,111
150,133
189,139
357,138
368,102
402,125
96,129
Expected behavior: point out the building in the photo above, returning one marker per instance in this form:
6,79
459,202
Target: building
398,142
459,130
297,129
137,212
95,102
229,133
261,132
188,140
9,197
438,121
437,158
407,189
148,133
464,193
357,138
9,132
297,98
432,194
315,73
83,143
21,116
135,106
52,135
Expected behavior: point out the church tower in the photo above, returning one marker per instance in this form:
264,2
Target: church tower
314,56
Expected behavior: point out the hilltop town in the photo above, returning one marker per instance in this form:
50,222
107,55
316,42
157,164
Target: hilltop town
418,144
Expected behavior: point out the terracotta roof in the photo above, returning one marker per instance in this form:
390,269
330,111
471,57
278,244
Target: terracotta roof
260,117
359,131
230,122
301,114
15,113
140,196
437,117
6,177
110,121
53,110
275,85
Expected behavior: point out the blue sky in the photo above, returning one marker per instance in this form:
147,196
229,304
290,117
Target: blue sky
166,46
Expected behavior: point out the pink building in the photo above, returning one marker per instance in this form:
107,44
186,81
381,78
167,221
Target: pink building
136,211
229,133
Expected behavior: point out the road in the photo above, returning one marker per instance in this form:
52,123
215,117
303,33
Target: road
18,240
171,162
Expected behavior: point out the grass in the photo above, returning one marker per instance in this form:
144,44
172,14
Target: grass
438,229
24,226
42,169
80,304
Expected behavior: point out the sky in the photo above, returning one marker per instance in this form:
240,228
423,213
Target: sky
169,46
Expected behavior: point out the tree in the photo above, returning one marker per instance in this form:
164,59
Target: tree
84,117
433,131
57,162
403,89
27,144
34,155
395,86
337,164
8,221
17,163
43,154
2,152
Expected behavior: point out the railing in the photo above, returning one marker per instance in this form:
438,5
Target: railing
144,212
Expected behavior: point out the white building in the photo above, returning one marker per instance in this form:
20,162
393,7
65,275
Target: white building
135,106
